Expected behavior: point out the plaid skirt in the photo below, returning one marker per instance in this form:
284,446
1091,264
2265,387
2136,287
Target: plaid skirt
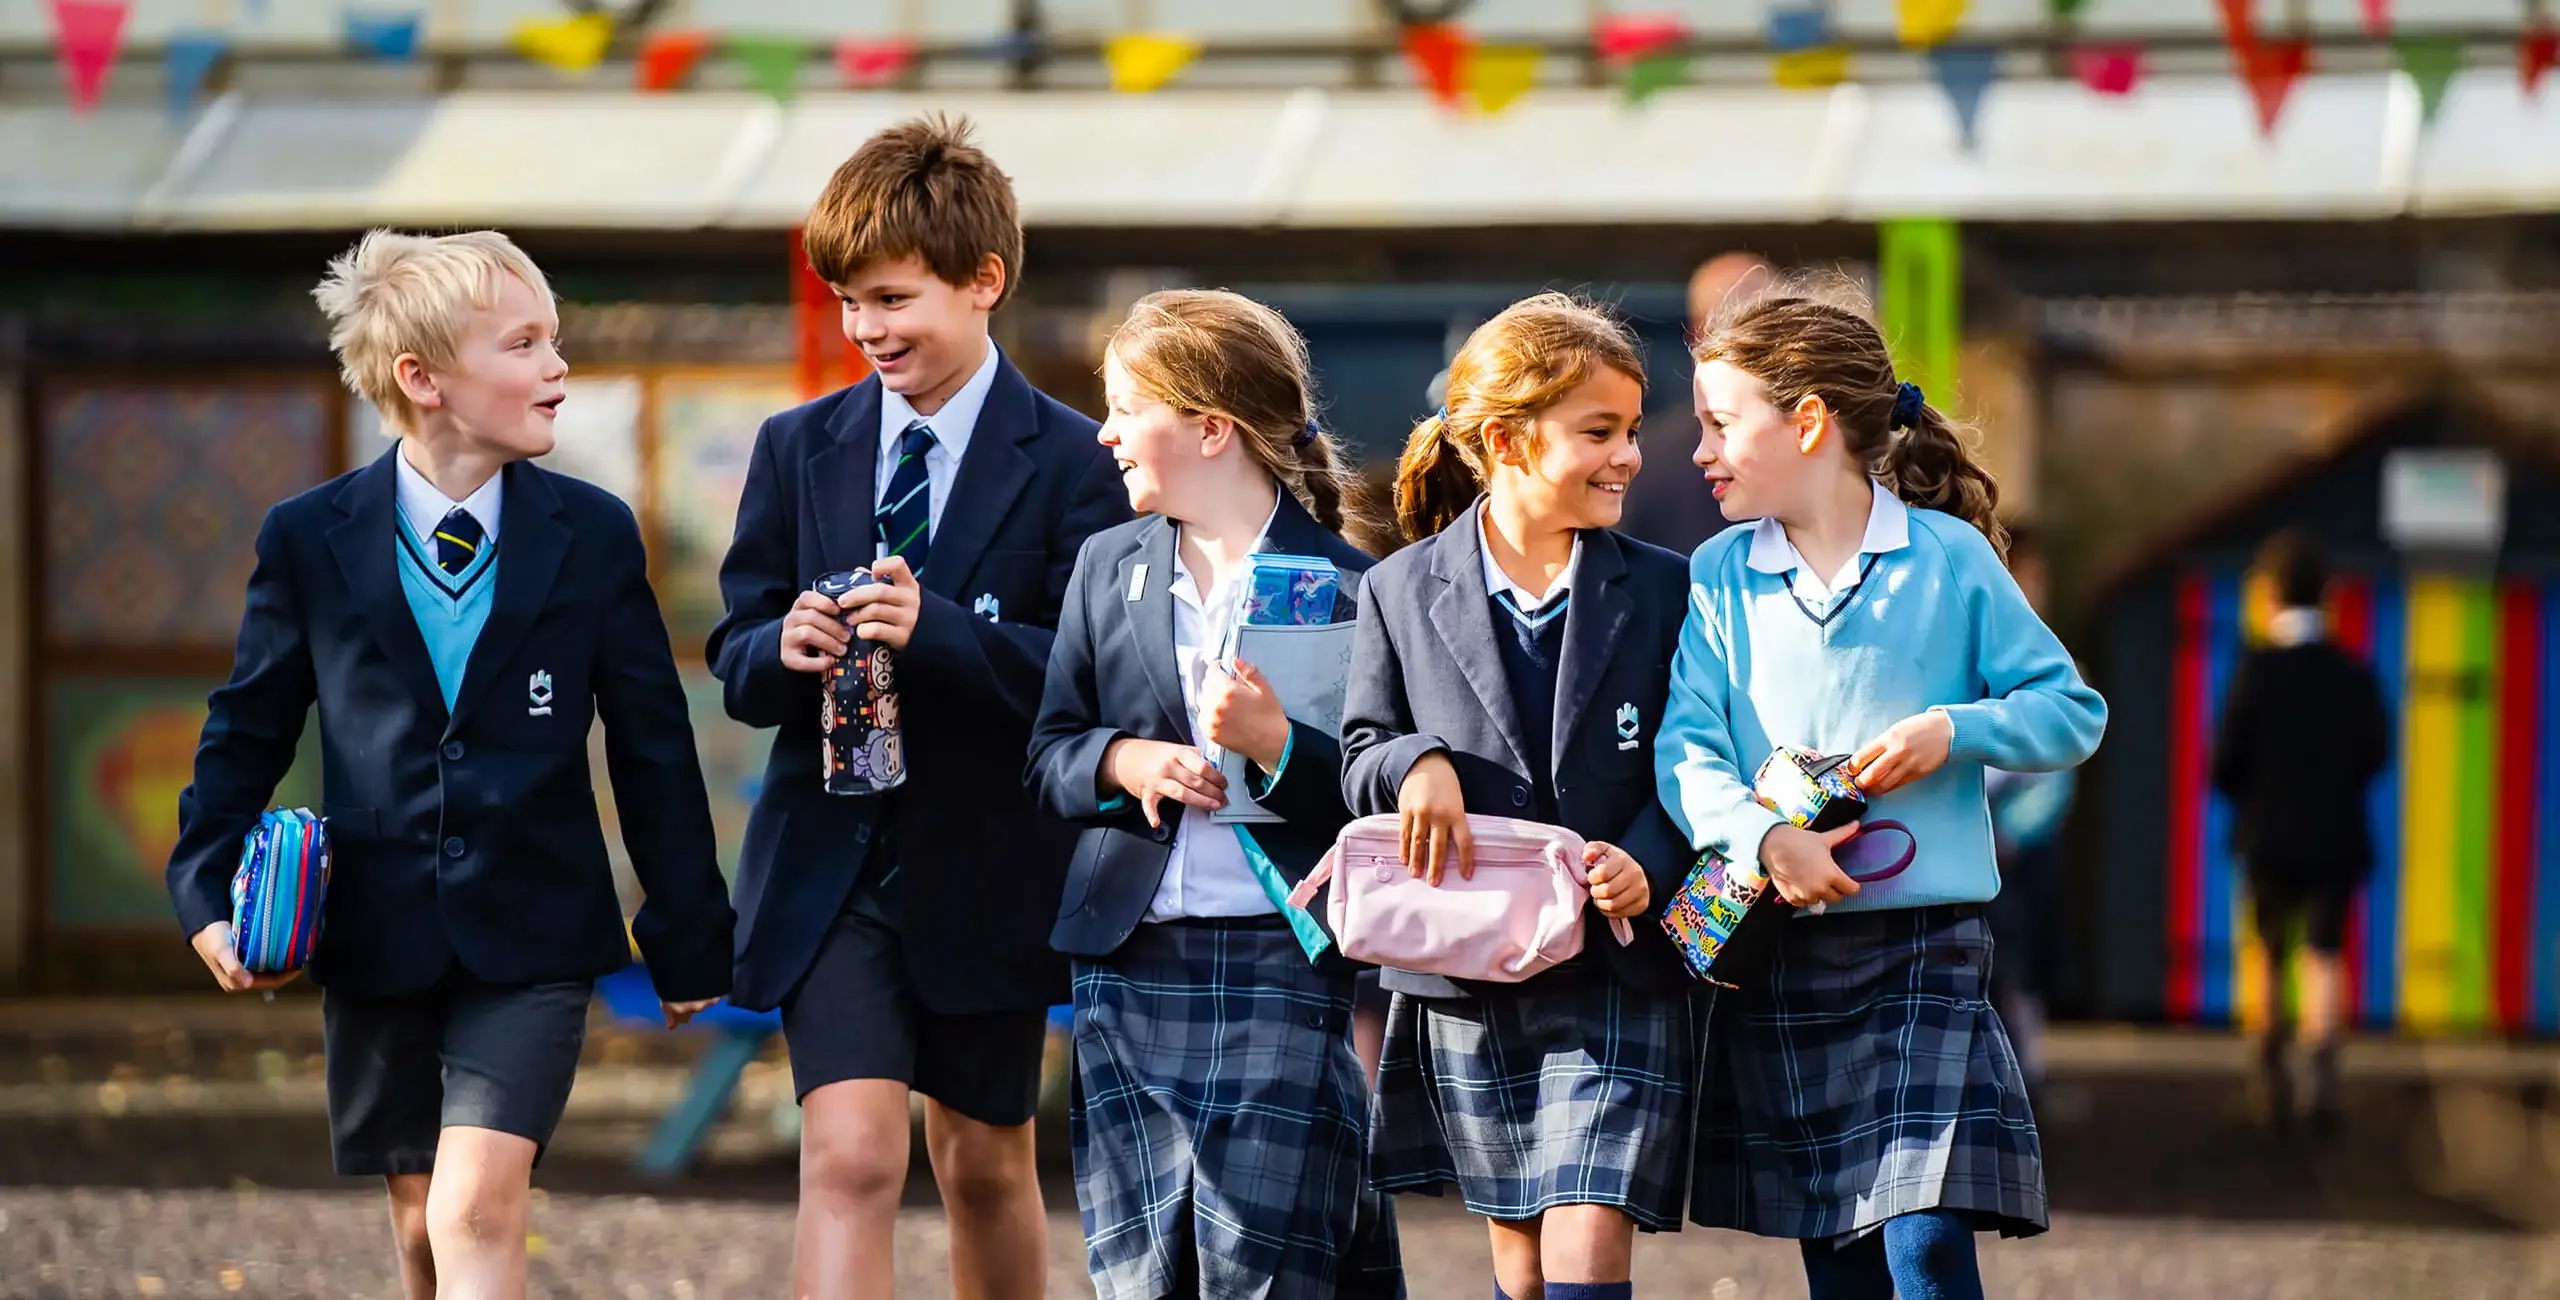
1218,1122
1865,1075
1571,1089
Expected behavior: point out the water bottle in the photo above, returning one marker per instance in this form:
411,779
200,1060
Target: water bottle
858,714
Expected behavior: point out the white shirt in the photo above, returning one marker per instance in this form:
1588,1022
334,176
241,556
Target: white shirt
1497,582
425,505
952,427
1888,529
1207,874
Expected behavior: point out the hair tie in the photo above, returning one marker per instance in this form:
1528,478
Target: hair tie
1307,436
1908,406
1444,416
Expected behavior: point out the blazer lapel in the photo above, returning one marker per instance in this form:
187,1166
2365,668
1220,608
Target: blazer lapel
1598,612
368,560
842,482
993,473
1148,571
531,543
1462,616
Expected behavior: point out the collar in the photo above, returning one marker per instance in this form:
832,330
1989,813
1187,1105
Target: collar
953,424
1497,582
425,505
1187,591
1888,529
2297,625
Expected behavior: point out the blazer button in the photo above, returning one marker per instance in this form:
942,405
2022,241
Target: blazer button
1519,796
453,751
453,847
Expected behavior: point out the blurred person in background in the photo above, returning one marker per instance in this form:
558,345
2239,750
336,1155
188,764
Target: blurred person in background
2303,734
2028,810
1671,507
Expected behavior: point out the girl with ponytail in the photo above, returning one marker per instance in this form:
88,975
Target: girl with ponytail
1865,612
1236,1171
1514,661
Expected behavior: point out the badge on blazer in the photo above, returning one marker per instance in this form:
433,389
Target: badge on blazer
988,607
538,695
1627,726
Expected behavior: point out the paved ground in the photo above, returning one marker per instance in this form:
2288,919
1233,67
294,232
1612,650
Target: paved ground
183,1154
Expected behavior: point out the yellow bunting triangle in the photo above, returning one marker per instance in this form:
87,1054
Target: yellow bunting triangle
1825,65
1499,74
572,44
1923,23
1143,61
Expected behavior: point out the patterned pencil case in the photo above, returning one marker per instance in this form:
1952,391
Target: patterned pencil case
277,893
1726,916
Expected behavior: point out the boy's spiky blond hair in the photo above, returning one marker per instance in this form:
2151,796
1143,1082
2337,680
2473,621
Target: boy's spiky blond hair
394,293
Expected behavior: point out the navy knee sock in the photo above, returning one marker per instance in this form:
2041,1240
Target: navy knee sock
1931,1256
1591,1291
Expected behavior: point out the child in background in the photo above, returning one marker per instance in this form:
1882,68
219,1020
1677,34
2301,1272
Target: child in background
1513,661
1865,1099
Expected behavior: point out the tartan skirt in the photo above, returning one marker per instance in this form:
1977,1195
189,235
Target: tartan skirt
1865,1075
1218,1121
1569,1089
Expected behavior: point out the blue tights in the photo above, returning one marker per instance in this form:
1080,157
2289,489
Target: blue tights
1926,1255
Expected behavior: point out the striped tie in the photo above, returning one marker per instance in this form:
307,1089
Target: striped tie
458,539
904,524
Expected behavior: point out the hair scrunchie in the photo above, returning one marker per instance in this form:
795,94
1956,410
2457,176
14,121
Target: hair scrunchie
1908,405
1307,436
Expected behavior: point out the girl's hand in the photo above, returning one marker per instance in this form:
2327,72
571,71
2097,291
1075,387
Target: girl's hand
1907,751
1618,884
1152,770
1241,713
1799,863
1433,813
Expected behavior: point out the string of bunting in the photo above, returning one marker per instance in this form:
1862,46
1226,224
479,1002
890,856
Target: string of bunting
1644,54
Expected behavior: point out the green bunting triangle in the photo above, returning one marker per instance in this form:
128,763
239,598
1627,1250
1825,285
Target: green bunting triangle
1655,73
772,63
2065,8
2431,62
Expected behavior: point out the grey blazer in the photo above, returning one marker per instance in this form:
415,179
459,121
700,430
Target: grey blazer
1427,675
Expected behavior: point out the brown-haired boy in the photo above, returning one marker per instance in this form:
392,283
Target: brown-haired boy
905,936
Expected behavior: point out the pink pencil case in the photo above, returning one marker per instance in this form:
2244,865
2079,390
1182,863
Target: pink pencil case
1519,914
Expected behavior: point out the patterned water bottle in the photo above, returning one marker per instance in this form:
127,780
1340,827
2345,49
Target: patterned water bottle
858,718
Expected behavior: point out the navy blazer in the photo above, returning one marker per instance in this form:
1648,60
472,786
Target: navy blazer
1111,674
977,865
471,837
1427,675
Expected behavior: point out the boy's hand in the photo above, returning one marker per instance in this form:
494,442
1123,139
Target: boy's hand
813,635
1153,770
1432,812
213,945
679,1012
884,610
1241,713
1799,863
1618,884
1907,751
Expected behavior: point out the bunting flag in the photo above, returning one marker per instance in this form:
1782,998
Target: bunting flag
2377,17
2108,69
1654,73
574,44
1925,23
392,37
2271,68
192,57
1920,303
2066,10
2239,27
2535,55
1627,38
2431,62
1145,61
86,36
1807,58
772,63
667,58
1965,72
1496,75
1438,52
1793,30
874,63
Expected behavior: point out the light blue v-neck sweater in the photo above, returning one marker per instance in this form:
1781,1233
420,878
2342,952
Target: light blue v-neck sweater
1937,624
451,608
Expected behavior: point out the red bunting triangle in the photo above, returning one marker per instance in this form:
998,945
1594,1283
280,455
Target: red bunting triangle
2108,69
1624,38
2377,17
86,36
871,63
2271,69
2239,24
667,58
1439,54
2535,55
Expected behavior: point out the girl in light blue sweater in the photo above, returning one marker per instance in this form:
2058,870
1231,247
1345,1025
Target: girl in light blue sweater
1866,1100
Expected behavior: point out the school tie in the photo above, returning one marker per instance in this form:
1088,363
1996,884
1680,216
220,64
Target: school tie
458,539
905,519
